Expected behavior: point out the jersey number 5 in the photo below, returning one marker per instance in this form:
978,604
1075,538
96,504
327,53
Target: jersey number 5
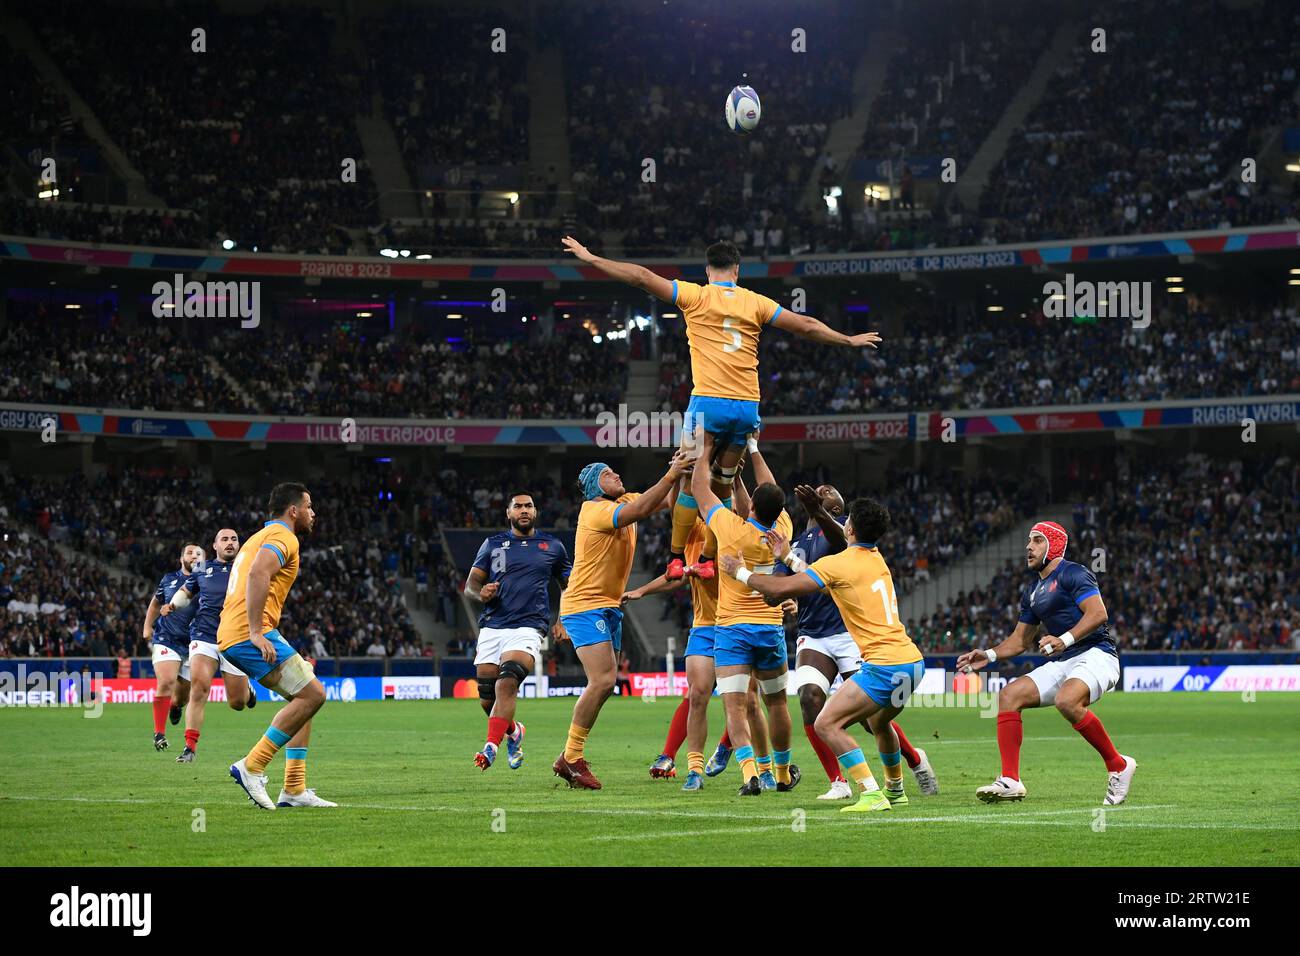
734,344
888,599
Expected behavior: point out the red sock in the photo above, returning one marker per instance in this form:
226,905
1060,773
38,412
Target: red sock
905,745
677,729
160,707
192,739
496,730
725,742
824,753
1011,733
1093,732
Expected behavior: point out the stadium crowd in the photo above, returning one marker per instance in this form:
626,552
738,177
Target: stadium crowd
52,606
254,154
407,374
947,87
447,108
1198,348
69,359
256,151
1199,554
1095,159
1190,350
752,187
348,590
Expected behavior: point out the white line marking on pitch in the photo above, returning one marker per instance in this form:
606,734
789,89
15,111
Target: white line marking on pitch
620,811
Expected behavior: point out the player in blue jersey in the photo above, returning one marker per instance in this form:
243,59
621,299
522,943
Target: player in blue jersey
511,577
1063,604
169,638
825,649
209,582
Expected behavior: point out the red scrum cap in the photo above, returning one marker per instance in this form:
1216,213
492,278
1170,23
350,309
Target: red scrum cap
1056,537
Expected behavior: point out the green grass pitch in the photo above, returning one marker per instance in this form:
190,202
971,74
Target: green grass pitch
1216,785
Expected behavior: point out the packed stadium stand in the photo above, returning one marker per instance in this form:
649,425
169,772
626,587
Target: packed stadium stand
1201,555
256,152
347,588
254,156
1095,159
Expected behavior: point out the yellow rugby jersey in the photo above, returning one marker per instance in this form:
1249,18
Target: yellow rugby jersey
277,538
859,582
738,603
723,322
704,594
602,557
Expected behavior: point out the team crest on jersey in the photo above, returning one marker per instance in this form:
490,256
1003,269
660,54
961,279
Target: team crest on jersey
1051,587
208,572
543,545
505,544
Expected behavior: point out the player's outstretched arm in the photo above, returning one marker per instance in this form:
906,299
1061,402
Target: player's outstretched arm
1013,645
777,588
629,272
762,473
806,327
701,487
740,501
659,585
657,495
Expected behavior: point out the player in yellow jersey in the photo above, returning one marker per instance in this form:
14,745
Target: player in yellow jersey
248,636
749,636
859,582
690,722
590,611
723,324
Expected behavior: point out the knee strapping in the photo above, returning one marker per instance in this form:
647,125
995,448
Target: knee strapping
487,688
295,674
735,684
806,675
515,671
774,685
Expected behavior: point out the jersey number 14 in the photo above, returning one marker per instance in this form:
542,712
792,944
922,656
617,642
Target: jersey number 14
888,599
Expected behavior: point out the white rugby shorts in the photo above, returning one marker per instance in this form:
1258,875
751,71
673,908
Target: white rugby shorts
493,643
1095,667
841,648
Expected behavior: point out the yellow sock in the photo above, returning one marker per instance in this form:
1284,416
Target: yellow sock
295,770
695,762
862,774
894,777
684,514
764,763
748,769
781,761
577,741
260,755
